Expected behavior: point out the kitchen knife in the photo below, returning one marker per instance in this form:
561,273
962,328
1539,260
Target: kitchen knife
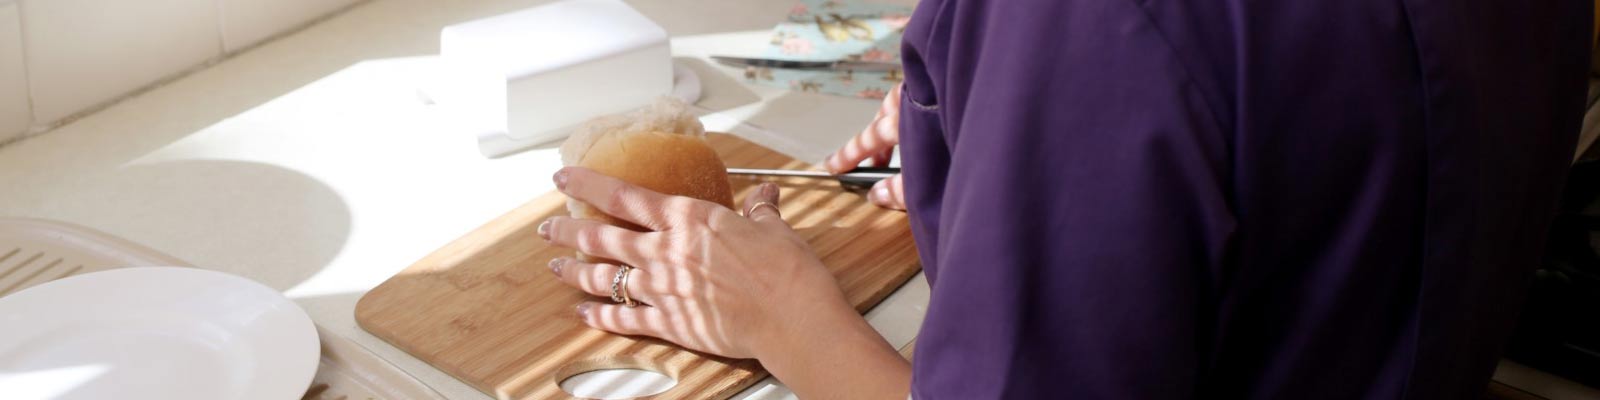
839,65
857,179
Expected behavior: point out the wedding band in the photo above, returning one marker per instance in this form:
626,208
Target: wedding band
763,203
627,301
619,286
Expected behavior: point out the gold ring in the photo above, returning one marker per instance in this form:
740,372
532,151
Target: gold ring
619,286
763,203
627,301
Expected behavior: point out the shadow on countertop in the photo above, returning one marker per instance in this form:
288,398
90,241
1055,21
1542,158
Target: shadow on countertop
269,224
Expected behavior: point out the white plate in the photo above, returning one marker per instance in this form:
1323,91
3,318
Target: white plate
163,333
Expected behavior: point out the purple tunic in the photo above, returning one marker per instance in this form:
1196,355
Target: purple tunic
1306,199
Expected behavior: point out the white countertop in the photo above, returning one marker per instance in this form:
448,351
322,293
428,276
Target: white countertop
311,164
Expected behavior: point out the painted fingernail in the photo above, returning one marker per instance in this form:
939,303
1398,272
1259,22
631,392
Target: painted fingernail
544,229
583,310
555,265
769,190
561,179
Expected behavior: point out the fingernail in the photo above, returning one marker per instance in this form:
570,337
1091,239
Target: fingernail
544,229
583,310
769,191
555,265
880,194
561,179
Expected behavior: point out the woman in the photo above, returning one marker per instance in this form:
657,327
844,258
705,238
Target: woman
1181,199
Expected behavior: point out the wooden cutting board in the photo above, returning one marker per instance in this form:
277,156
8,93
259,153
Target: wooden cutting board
486,309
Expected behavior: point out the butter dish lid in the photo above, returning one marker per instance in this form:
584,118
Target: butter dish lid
550,36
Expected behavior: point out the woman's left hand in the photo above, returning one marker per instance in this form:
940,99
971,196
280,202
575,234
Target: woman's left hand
711,279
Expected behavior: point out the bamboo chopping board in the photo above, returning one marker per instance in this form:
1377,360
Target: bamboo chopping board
486,309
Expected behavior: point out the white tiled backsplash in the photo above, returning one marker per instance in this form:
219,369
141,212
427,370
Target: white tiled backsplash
14,113
246,22
85,52
60,58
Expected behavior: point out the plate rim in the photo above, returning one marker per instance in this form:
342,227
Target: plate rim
302,338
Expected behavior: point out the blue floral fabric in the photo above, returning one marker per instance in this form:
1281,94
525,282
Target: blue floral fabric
826,30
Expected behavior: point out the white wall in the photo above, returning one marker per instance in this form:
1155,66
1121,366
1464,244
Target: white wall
85,52
15,115
247,22
66,57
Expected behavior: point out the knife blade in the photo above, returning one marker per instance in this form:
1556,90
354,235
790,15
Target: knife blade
838,65
857,179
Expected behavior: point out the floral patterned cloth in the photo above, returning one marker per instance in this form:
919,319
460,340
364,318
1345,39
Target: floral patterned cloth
826,30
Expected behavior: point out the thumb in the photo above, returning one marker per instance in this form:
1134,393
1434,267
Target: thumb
761,205
889,193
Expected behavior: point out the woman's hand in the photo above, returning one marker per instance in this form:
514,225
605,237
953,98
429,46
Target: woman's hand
877,142
713,280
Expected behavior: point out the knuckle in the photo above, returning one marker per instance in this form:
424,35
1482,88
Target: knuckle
677,292
683,256
724,223
693,257
587,279
596,275
619,198
694,304
676,258
694,212
589,236
603,316
628,322
697,216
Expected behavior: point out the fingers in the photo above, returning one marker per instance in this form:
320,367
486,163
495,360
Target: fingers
889,193
761,205
595,278
882,159
595,238
883,134
615,318
879,137
621,199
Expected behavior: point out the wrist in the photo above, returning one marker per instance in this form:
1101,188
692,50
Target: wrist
798,321
827,346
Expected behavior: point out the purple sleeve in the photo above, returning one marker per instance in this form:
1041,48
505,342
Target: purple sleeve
1066,179
1236,199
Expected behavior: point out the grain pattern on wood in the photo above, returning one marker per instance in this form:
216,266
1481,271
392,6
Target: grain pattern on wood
486,310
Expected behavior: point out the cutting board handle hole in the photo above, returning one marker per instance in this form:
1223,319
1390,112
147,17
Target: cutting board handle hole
614,378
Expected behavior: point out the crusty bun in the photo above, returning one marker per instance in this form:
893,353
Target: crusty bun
661,148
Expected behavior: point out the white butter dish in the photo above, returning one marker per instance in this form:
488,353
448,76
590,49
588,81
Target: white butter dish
531,76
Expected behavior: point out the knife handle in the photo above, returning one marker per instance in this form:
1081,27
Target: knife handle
862,179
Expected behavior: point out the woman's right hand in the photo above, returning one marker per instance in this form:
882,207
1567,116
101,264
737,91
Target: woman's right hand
877,142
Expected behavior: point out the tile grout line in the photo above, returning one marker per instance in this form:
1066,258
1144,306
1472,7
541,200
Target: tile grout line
40,128
27,75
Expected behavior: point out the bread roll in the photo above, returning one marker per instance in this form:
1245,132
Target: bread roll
661,148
